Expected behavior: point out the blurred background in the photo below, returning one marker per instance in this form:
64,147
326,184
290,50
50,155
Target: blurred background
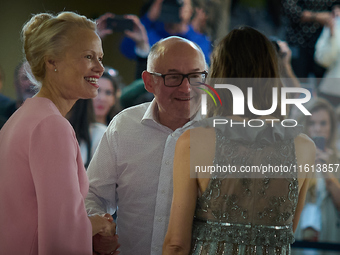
15,13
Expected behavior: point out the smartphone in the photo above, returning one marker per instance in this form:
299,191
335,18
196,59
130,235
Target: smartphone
274,41
320,142
119,23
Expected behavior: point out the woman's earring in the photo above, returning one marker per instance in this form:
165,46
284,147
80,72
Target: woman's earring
55,69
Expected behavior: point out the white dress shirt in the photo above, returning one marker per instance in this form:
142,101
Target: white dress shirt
132,171
97,131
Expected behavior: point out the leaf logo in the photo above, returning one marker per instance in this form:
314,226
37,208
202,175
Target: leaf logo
209,93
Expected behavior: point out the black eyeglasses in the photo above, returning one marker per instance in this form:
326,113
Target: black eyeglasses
176,79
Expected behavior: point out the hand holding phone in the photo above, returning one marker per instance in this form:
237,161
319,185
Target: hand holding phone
320,142
102,30
119,23
138,34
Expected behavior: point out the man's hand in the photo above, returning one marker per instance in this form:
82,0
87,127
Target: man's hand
102,25
102,224
111,231
103,245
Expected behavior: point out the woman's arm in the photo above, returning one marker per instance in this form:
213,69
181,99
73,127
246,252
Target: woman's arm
301,203
305,154
178,237
60,183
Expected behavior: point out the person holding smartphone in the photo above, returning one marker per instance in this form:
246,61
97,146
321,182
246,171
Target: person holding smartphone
320,219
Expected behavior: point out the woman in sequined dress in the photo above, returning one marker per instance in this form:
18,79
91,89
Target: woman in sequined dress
228,212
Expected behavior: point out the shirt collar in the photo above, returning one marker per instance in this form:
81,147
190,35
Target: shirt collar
151,115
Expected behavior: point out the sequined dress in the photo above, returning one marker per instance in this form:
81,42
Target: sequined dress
252,214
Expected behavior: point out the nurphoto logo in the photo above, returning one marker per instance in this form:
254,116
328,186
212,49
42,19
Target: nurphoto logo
239,104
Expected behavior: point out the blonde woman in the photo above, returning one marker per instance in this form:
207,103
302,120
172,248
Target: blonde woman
42,177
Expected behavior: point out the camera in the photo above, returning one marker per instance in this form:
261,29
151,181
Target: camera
170,11
320,142
119,23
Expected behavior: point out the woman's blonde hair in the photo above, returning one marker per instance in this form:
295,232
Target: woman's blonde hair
317,104
45,34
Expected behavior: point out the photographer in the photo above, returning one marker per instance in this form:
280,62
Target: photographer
320,218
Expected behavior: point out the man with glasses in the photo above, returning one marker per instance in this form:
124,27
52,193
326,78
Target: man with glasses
131,171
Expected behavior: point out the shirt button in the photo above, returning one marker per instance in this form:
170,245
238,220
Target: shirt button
167,162
156,249
163,191
159,219
172,134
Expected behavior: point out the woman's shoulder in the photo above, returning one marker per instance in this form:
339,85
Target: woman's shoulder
304,142
198,134
305,150
199,140
55,125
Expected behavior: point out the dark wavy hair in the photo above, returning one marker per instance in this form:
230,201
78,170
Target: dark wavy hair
80,117
246,53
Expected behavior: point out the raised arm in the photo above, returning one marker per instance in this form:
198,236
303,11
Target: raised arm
102,29
136,42
139,36
155,10
287,69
